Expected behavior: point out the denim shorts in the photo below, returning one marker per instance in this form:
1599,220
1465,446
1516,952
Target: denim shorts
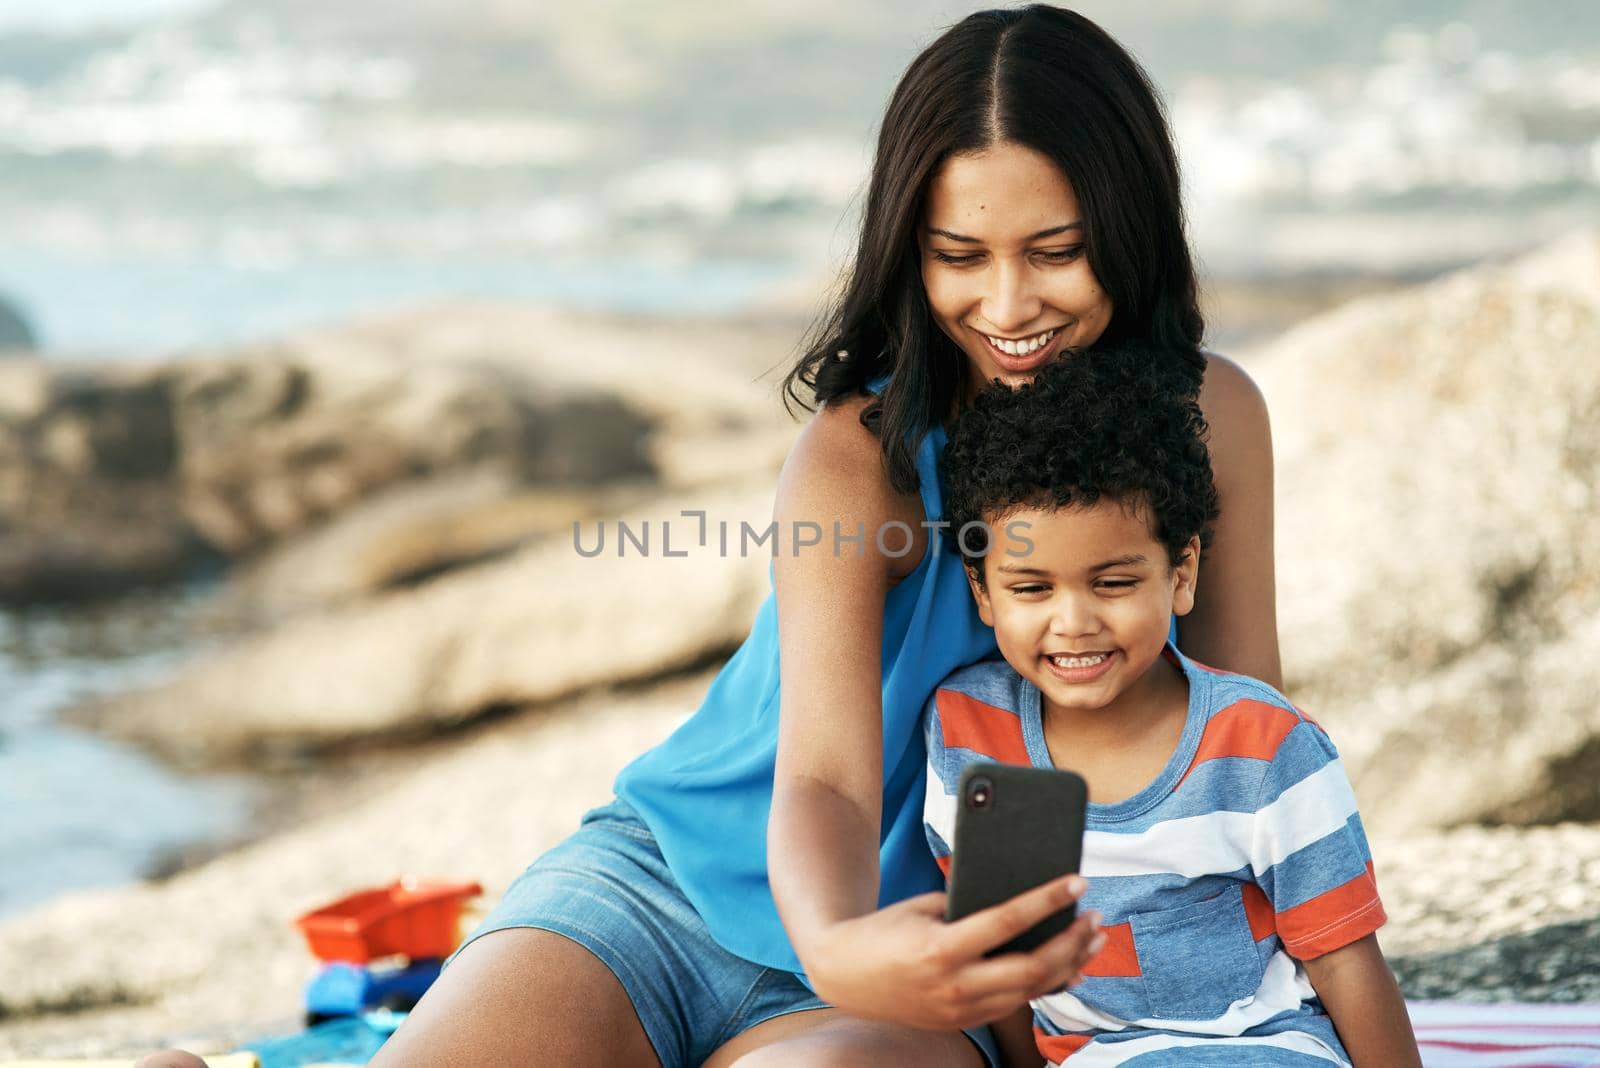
607,888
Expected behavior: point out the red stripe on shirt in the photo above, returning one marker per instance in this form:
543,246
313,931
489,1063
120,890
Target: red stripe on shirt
944,866
1245,728
968,723
1258,910
1333,919
1117,958
1057,1048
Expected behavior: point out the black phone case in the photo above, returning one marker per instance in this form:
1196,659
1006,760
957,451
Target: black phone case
1030,833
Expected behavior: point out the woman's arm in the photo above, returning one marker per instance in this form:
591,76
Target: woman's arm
827,794
1364,1003
1234,624
900,963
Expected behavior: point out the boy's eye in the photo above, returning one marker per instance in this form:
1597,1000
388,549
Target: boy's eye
1028,589
1118,584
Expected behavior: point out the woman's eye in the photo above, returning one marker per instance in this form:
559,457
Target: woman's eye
959,261
1064,255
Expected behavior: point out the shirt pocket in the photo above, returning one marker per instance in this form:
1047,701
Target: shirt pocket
1199,959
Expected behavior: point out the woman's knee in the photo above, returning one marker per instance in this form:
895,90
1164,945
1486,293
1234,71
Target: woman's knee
171,1058
521,996
828,1039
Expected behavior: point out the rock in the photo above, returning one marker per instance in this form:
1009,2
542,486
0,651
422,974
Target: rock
89,499
243,451
15,334
1438,453
277,441
530,628
416,531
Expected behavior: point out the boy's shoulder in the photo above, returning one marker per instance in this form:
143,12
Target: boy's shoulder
1247,717
991,676
994,684
977,710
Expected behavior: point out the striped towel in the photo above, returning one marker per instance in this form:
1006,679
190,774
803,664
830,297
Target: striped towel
1454,1034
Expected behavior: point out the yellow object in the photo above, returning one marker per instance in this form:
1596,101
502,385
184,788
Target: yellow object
215,1060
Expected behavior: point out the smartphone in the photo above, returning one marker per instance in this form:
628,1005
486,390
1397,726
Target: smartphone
1016,828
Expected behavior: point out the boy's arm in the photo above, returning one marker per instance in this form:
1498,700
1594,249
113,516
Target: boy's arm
1364,1003
1014,1034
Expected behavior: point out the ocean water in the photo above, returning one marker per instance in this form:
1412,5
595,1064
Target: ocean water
78,810
241,169
111,306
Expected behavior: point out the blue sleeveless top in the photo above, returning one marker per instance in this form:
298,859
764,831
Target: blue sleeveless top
707,790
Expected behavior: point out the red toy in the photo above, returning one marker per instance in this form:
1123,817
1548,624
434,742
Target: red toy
410,918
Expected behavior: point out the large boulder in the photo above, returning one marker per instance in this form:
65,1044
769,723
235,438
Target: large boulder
276,441
1439,574
112,476
90,491
530,628
119,475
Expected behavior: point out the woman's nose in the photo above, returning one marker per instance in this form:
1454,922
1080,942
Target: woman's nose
1011,302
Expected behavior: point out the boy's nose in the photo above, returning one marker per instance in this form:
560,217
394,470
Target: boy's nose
1073,617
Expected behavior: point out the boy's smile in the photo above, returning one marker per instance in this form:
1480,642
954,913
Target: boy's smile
1083,613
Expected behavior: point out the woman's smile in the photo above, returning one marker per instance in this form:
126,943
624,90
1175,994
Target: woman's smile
1024,355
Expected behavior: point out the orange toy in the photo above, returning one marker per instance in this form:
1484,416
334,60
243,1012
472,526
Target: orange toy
407,917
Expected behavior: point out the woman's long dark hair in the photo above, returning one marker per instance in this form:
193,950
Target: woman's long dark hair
1055,82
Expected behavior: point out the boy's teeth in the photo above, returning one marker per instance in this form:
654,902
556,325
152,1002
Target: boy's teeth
1077,661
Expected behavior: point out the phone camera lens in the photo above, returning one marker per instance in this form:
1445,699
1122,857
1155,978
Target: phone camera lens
980,792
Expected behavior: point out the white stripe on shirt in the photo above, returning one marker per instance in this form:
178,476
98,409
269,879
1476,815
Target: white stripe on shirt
1283,987
1096,1055
1212,842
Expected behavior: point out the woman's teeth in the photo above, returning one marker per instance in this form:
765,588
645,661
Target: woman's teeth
1077,661
1027,346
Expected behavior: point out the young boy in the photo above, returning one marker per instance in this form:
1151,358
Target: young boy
1223,846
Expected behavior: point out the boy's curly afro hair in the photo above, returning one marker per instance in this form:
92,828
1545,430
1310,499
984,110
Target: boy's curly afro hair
1122,423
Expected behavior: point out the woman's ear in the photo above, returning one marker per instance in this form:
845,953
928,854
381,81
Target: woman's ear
1185,576
980,593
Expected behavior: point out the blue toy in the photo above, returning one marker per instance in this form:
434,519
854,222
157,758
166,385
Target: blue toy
341,988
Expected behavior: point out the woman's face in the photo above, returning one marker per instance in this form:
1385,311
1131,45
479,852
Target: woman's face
1004,264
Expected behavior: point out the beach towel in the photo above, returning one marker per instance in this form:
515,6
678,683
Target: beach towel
1451,1034
1455,1034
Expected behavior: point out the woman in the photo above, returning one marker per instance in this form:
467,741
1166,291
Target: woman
1024,206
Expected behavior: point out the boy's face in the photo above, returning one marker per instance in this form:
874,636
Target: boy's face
1084,614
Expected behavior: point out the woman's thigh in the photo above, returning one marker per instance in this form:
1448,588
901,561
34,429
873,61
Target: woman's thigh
521,997
595,938
828,1038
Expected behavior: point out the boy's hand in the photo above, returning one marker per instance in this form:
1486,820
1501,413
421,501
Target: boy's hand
907,965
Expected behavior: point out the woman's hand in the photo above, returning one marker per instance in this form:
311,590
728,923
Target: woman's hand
907,965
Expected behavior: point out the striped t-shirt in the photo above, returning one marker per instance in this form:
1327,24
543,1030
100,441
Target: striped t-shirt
1245,856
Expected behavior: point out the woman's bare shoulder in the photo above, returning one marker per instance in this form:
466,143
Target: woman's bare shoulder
1229,391
834,451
